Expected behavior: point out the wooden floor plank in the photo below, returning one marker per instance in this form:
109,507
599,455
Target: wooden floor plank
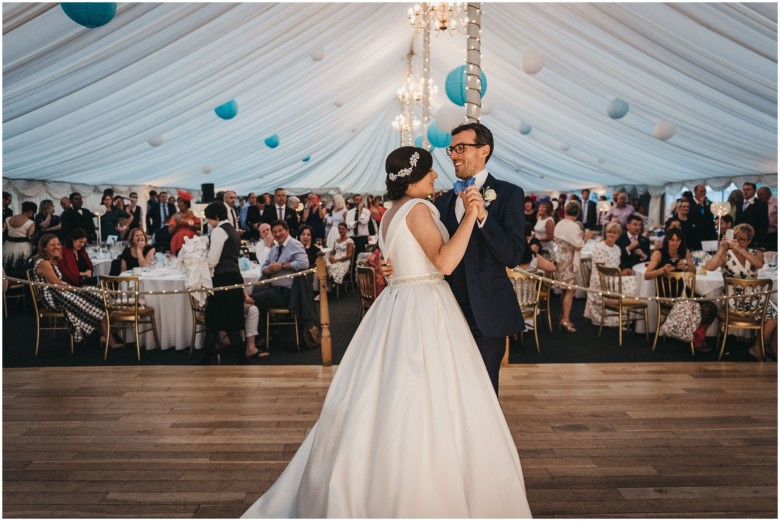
595,440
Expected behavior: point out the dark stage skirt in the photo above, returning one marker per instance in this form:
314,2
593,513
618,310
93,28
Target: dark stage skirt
225,309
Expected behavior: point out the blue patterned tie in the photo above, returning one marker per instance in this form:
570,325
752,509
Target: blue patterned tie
462,185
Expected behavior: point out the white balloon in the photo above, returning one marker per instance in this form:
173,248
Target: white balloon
664,130
450,116
339,102
533,61
564,147
156,141
206,169
318,55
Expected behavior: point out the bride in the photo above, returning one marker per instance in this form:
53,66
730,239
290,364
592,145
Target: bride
411,426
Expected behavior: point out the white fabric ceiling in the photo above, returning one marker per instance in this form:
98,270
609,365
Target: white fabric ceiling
79,105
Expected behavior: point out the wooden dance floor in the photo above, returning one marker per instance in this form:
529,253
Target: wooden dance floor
596,440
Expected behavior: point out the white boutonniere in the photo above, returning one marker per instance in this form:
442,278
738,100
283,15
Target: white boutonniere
488,195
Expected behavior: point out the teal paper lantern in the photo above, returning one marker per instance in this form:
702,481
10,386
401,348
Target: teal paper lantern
617,108
438,137
88,14
306,159
525,129
455,85
227,110
272,141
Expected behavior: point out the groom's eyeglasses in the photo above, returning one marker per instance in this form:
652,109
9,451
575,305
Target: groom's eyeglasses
459,149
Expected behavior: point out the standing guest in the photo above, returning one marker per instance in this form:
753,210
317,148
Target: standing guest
529,211
7,210
700,211
688,225
135,211
265,244
77,217
17,246
229,200
753,211
75,263
171,201
621,211
287,256
358,219
125,218
545,226
764,194
560,211
588,217
152,210
570,238
726,223
634,247
159,214
110,220
735,200
183,224
610,254
339,260
254,216
138,253
249,202
224,309
84,312
46,221
64,203
339,215
638,208
280,211
306,239
737,260
314,217
377,209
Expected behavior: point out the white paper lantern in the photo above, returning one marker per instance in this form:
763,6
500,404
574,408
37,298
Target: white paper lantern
318,55
564,147
485,110
156,141
339,102
206,169
533,61
664,130
450,116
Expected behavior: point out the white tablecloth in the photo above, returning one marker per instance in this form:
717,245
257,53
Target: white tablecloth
172,312
102,266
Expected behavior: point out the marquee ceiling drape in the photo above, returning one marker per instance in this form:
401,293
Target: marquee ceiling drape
80,105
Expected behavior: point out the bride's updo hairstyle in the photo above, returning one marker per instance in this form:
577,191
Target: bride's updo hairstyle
404,166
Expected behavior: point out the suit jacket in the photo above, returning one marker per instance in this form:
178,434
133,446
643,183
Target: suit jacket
757,216
590,222
482,280
269,216
72,219
629,260
154,220
705,226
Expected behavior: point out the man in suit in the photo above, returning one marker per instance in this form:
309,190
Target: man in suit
770,239
588,215
753,211
700,211
159,213
287,256
479,282
279,211
229,198
77,217
634,248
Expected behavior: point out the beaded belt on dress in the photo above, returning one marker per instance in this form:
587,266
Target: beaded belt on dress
414,279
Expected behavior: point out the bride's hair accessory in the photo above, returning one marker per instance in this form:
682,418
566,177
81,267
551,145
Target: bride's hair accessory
406,171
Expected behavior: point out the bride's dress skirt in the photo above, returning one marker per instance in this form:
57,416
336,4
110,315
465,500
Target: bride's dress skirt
410,427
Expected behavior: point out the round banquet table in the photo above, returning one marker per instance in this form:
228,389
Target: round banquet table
101,267
172,313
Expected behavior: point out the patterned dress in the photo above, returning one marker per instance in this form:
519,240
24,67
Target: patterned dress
337,270
83,311
609,257
732,268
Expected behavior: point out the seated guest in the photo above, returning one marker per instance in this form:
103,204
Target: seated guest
634,248
532,258
251,319
737,260
17,246
305,236
84,312
287,256
137,254
608,254
183,223
339,260
265,244
673,222
75,264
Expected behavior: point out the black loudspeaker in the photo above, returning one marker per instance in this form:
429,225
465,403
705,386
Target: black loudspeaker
207,192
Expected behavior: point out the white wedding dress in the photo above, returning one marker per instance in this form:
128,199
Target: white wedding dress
411,426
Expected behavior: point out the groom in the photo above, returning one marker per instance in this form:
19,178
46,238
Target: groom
480,283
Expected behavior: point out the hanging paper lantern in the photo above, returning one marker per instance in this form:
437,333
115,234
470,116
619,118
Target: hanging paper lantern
450,117
156,141
525,128
419,144
206,169
318,55
272,141
564,147
306,159
485,109
455,85
339,102
617,108
227,110
664,130
533,61
89,14
438,137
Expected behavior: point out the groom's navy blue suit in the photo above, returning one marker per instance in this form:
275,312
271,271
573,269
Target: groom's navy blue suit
480,283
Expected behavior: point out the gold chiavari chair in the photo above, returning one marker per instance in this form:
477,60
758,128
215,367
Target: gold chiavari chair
367,285
527,290
611,281
51,320
124,309
672,285
744,309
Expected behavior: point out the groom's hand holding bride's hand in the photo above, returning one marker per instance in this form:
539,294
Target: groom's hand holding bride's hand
473,200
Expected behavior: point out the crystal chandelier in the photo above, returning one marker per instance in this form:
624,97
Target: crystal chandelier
443,16
403,123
